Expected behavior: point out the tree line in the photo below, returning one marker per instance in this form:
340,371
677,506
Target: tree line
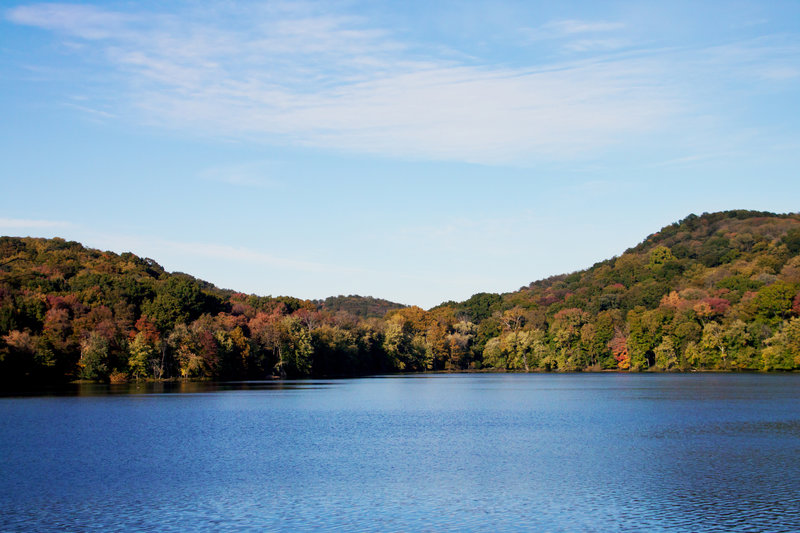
719,291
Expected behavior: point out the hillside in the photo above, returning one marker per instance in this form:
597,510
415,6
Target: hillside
69,312
360,306
716,291
719,291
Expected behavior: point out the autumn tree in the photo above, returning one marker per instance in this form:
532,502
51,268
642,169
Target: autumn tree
295,349
782,350
619,349
741,347
459,343
566,332
18,356
142,355
645,331
94,362
666,355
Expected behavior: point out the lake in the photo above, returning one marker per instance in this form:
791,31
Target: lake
545,452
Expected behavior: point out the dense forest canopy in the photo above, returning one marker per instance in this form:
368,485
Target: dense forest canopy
719,291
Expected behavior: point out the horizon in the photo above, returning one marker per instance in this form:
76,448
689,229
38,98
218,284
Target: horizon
322,298
416,153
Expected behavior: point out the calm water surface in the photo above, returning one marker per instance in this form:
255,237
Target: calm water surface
610,452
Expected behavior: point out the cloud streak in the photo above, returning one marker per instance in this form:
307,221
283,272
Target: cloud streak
86,22
253,175
24,223
557,29
292,76
252,257
185,252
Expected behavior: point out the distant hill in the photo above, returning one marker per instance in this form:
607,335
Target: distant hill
360,306
719,291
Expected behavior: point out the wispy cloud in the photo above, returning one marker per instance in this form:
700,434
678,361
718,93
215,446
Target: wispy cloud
25,223
86,22
293,75
780,73
253,257
182,253
230,266
596,45
569,28
692,159
580,36
257,175
91,111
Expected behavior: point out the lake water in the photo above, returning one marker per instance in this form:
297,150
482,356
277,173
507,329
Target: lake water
545,452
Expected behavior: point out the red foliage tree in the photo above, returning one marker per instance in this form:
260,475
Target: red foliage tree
619,348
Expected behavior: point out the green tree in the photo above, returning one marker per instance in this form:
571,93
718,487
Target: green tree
743,354
177,300
792,241
712,350
94,362
494,355
517,350
141,356
666,356
774,302
660,256
480,306
782,350
646,328
405,349
566,334
295,350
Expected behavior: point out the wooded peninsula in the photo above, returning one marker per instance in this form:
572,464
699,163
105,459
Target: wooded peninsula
719,291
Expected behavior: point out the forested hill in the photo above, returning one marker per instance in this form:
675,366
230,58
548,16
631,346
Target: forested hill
719,291
360,306
69,312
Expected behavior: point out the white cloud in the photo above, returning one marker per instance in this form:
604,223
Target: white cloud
24,223
291,76
254,174
581,36
183,254
86,22
780,73
561,29
464,113
596,45
251,257
572,27
91,111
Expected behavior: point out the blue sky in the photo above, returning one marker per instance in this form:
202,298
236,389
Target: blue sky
414,151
